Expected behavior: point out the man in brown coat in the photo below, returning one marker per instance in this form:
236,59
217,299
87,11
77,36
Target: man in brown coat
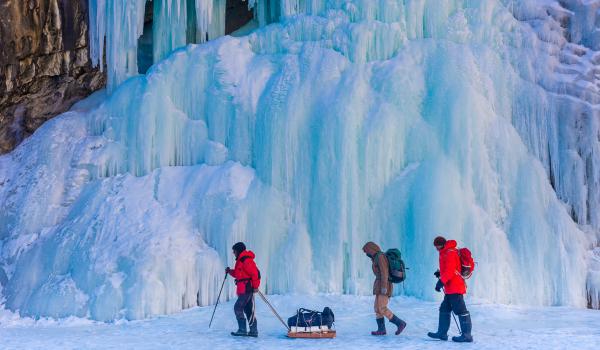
382,289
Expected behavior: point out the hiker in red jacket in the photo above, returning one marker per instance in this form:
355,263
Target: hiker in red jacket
247,281
451,280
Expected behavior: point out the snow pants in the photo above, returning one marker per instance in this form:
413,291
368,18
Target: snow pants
455,303
245,305
381,307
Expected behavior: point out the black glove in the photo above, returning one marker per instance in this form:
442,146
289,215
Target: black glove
437,274
438,286
227,270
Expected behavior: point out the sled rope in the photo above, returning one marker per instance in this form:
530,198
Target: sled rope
253,316
273,309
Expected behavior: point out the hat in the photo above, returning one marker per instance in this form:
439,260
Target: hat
439,241
238,248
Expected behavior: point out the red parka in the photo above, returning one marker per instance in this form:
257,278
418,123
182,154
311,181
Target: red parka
244,272
450,269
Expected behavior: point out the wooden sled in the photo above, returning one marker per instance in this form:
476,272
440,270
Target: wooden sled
311,333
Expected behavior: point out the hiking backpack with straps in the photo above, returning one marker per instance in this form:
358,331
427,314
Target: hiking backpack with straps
397,268
467,264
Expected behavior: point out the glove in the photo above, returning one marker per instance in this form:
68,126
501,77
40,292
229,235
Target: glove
255,290
437,274
438,286
227,270
384,291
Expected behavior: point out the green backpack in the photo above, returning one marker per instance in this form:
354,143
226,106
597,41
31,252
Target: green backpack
397,268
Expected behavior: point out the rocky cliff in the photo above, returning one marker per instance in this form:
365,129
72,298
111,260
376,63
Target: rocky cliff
44,64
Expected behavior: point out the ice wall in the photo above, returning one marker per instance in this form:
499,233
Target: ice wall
118,24
562,131
392,121
75,242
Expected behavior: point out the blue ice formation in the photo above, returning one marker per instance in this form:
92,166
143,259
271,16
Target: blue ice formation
340,122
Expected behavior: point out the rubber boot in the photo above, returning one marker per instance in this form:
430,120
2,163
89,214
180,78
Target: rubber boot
399,323
253,329
241,332
380,327
465,326
443,326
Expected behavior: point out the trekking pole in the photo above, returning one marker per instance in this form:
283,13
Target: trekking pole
273,309
457,326
219,297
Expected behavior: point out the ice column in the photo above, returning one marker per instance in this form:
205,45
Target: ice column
169,27
121,22
204,13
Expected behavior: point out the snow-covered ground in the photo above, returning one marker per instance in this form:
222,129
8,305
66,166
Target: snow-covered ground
494,327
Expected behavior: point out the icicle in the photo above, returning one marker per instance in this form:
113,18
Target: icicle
204,13
121,23
169,27
97,31
217,24
290,7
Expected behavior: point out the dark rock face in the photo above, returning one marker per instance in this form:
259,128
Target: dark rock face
44,64
236,15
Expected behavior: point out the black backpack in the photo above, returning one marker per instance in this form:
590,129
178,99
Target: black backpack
311,318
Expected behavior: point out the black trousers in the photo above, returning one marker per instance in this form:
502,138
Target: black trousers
454,302
244,305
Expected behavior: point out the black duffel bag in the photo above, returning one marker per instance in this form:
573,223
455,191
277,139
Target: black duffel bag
311,318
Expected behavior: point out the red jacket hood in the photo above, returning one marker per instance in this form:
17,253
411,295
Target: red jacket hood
246,253
451,244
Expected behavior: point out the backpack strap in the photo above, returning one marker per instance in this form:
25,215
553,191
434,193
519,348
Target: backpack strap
376,260
377,263
377,255
456,272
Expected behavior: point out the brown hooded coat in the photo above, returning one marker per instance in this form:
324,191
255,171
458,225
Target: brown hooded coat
381,269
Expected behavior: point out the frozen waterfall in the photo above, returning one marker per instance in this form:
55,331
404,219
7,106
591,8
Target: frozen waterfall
342,121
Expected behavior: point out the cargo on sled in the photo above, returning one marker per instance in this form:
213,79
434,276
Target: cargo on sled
310,324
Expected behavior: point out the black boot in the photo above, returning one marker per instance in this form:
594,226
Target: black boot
443,326
380,327
253,328
465,326
399,323
241,332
